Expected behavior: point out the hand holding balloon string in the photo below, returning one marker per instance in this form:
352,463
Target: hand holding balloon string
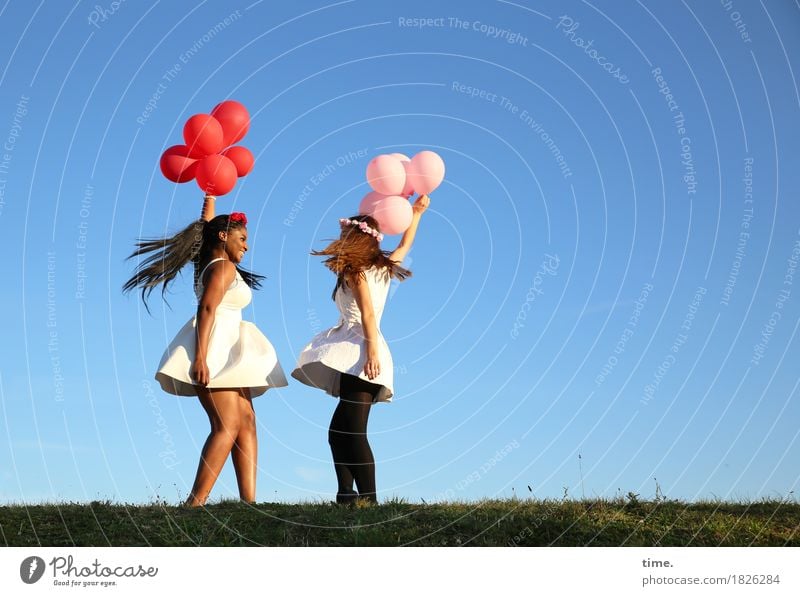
394,178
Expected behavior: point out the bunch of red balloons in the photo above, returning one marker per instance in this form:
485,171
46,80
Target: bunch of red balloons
209,155
394,178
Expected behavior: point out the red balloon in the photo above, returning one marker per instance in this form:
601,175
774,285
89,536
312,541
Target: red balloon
216,175
203,135
176,165
242,158
235,121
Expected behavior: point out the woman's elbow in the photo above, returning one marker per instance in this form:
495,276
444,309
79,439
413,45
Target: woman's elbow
205,309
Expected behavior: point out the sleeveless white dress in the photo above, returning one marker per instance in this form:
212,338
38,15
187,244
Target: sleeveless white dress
238,354
340,349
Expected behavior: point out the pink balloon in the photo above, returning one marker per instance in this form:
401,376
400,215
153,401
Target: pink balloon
408,188
386,175
393,214
426,172
367,205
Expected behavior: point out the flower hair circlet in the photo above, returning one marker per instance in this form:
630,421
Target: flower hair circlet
363,226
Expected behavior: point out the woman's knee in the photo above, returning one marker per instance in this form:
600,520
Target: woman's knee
247,415
359,440
229,425
247,421
227,421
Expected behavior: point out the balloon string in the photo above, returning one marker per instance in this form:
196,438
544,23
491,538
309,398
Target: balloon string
206,214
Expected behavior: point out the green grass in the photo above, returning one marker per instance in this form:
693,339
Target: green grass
510,522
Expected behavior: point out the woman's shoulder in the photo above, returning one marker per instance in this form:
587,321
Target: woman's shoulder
379,272
218,266
372,274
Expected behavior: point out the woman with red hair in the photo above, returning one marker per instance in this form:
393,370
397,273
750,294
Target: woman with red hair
352,361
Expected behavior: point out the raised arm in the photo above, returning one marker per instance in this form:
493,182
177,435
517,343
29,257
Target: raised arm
372,367
218,277
419,207
207,214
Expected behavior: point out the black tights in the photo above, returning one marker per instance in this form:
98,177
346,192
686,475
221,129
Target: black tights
347,436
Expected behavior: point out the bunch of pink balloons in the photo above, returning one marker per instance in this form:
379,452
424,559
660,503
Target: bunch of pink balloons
394,178
205,157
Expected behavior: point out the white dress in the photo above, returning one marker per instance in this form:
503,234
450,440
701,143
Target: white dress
238,354
340,349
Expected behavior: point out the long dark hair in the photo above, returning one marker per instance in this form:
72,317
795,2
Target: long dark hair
169,255
355,252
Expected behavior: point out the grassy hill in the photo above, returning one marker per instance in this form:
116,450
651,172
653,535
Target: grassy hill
511,522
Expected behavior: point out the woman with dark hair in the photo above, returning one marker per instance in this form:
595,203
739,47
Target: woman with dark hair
352,360
216,356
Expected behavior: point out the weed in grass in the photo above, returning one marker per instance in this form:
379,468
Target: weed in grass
597,521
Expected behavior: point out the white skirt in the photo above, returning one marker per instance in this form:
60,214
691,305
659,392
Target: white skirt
340,350
238,356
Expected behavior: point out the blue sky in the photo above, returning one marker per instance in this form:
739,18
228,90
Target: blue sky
604,287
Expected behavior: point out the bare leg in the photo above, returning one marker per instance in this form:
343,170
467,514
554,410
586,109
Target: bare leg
245,449
223,409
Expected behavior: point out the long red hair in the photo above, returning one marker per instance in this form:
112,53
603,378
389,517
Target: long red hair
355,252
